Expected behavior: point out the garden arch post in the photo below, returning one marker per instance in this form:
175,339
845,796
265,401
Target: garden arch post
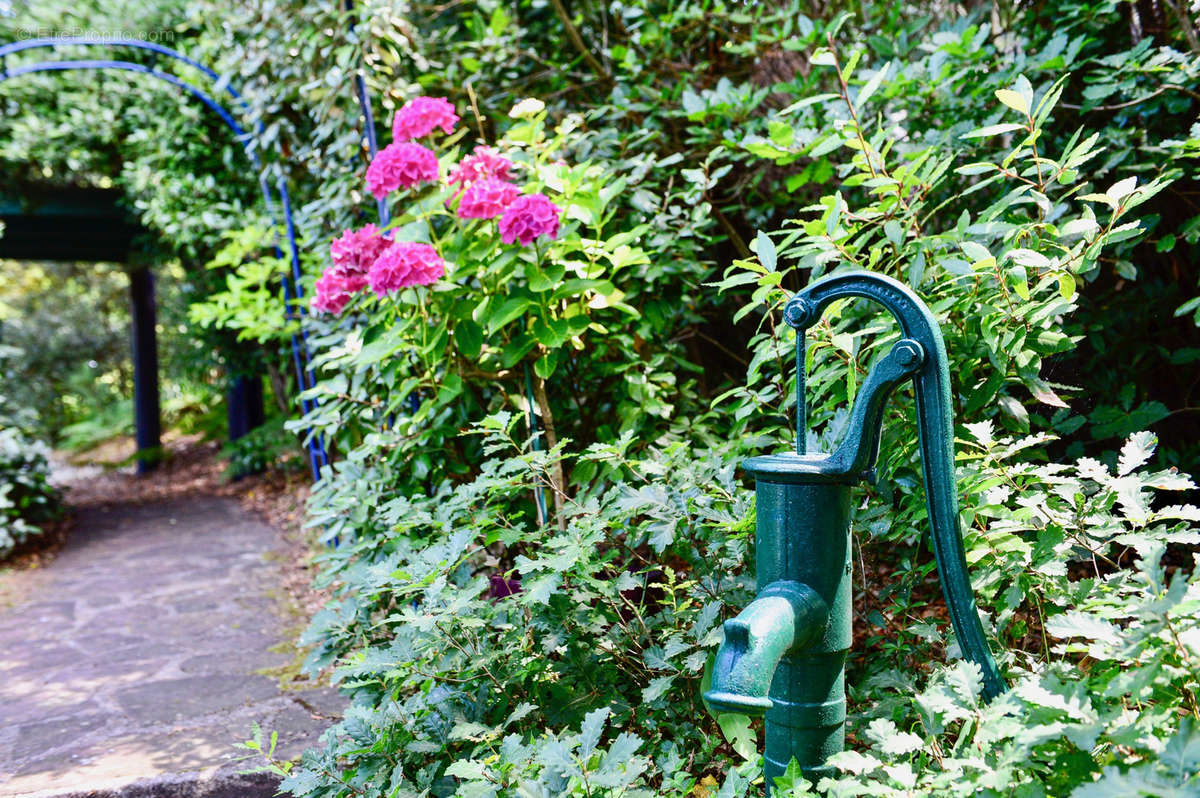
292,289
144,342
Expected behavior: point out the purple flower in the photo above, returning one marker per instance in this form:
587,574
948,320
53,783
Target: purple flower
499,587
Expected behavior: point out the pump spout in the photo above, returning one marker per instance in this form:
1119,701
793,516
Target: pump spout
786,617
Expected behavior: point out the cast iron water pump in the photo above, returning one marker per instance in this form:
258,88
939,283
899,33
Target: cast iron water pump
784,655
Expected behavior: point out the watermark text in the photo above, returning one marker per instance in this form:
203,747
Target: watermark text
159,36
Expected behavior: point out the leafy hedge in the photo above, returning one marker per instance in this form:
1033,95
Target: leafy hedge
26,497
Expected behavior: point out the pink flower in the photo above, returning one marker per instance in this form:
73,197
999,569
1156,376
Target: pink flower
484,162
401,165
421,115
487,198
405,264
527,218
334,289
355,250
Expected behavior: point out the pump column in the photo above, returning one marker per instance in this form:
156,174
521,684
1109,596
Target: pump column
803,534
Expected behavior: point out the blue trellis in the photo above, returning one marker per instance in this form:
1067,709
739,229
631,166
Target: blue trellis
293,292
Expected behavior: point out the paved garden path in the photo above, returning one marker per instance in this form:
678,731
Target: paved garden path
130,665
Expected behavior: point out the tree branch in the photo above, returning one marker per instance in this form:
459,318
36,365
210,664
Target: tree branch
577,41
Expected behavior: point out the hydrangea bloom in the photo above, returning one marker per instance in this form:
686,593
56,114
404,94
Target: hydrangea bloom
335,288
404,264
355,250
421,115
487,198
483,162
401,165
527,218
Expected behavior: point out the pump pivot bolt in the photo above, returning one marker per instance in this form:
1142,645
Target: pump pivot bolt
908,354
798,313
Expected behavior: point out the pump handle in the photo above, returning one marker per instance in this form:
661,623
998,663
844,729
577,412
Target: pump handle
936,432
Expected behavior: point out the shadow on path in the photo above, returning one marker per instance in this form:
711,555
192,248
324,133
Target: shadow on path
133,657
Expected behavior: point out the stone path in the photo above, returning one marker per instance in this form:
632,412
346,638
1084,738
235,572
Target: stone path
129,667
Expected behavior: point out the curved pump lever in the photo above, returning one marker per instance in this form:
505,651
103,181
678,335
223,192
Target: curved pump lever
921,354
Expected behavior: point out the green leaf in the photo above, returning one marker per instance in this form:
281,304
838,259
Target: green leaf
516,349
468,337
1013,100
507,312
890,740
993,130
657,688
1081,624
466,769
1136,452
590,731
1182,754
826,145
975,251
550,332
823,56
807,101
499,20
1122,188
1029,257
765,249
866,92
1066,285
546,365
781,133
739,733
620,753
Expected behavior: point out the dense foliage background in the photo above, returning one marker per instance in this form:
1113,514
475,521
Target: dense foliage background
1031,169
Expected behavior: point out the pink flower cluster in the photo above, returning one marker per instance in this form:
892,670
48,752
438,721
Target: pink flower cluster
405,264
356,250
404,163
486,192
334,289
367,257
482,163
528,217
401,164
487,198
421,115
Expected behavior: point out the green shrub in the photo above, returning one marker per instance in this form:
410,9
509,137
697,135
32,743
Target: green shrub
26,497
476,642
266,447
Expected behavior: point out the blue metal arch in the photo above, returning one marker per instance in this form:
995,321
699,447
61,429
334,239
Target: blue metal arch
293,292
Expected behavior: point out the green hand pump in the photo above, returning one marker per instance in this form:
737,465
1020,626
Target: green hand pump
784,655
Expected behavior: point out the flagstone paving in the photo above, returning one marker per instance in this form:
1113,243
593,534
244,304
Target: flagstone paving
132,663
